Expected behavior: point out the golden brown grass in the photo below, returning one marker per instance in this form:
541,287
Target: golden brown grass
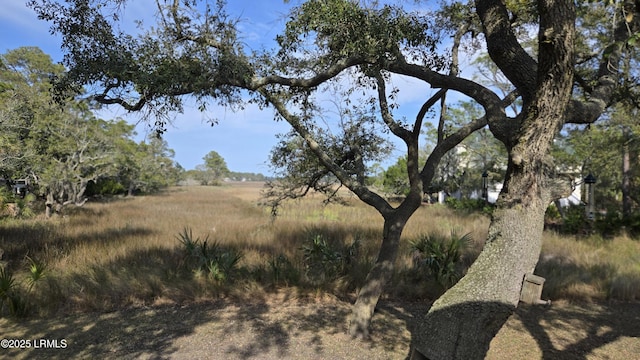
125,252
590,269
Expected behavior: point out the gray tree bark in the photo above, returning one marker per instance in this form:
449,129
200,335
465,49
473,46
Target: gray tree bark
462,323
379,275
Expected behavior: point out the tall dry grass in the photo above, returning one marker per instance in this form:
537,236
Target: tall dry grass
590,269
126,252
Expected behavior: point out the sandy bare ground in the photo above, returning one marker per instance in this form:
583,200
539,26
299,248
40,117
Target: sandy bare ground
288,328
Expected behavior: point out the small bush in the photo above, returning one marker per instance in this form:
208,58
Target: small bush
7,287
609,224
105,187
575,220
216,262
26,206
632,224
552,213
612,223
470,205
440,256
37,272
323,262
13,296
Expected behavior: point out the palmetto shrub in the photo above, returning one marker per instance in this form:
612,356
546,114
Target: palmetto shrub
439,256
214,260
14,297
324,262
7,288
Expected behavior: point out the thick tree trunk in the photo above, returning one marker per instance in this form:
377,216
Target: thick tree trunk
378,277
49,205
461,324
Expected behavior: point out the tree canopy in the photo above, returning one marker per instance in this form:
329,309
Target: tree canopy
563,62
63,148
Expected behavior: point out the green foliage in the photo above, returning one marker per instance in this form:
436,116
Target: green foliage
395,178
13,297
324,262
461,169
574,152
215,164
216,262
212,171
298,169
607,224
470,205
343,28
154,166
106,186
188,242
632,224
6,196
27,206
62,145
575,220
552,213
440,256
613,223
37,271
154,65
7,284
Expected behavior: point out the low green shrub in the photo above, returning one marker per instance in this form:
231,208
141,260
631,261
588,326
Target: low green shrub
14,297
607,224
217,262
552,213
575,220
440,256
470,205
613,223
324,262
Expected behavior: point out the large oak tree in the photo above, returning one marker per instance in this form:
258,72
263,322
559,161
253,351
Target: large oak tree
62,147
194,49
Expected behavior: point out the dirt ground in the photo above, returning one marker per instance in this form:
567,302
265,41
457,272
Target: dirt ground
288,328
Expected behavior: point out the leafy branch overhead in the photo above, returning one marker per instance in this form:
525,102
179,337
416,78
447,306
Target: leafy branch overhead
571,72
62,151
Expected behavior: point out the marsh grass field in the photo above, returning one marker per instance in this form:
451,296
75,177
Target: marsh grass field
122,278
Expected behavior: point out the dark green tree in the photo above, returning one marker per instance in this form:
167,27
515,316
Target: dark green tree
60,147
395,180
213,169
155,166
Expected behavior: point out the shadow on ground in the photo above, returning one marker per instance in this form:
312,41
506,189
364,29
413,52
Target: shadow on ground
583,331
287,327
262,329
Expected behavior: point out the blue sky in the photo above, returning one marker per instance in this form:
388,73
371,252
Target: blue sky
242,138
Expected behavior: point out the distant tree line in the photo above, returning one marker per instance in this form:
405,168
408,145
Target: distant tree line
215,170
